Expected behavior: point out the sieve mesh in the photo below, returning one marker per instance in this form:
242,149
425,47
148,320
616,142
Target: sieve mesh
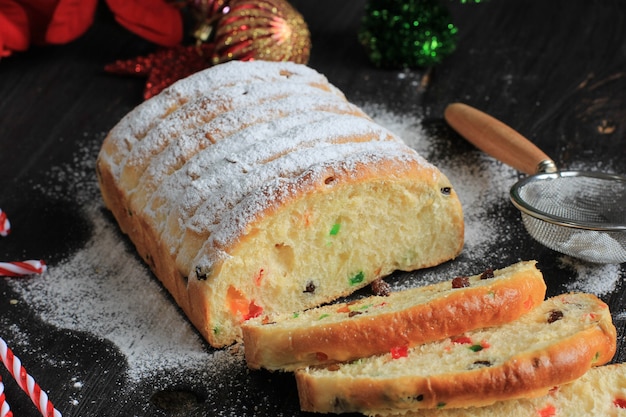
576,213
588,245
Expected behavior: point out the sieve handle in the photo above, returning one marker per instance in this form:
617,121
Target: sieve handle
497,139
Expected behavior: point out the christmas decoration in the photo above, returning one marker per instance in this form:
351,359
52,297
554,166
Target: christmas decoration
5,409
22,268
26,382
5,224
404,34
10,361
165,66
26,23
205,14
269,30
159,21
225,30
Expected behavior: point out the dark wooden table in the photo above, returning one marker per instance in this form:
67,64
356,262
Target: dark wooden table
103,343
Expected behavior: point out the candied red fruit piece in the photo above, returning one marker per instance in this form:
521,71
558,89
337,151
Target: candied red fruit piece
619,402
399,352
547,411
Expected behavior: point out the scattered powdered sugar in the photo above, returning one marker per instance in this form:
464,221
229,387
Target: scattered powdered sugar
76,180
105,289
595,279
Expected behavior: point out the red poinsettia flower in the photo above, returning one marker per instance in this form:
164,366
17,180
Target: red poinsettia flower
155,20
14,34
42,22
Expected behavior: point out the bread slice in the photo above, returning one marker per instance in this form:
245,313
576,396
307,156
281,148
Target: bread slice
599,392
376,324
555,343
255,188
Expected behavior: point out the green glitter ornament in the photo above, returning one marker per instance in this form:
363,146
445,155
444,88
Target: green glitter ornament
404,34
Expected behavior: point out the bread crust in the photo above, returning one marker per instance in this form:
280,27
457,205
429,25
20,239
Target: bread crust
526,374
514,291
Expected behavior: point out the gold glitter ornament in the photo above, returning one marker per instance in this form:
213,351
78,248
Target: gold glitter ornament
205,13
270,30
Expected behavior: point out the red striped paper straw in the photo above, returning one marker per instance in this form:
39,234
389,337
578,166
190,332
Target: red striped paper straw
22,268
26,382
5,410
5,225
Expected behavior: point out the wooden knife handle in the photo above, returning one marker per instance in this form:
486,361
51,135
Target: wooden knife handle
497,139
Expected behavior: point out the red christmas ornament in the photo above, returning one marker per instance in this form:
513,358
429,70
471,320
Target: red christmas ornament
270,30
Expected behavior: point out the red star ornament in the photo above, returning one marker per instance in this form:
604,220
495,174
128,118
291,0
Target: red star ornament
166,66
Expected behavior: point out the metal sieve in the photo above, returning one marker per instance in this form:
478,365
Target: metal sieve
581,214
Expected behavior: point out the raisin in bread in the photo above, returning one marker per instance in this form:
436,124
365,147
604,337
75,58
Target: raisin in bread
255,187
376,324
601,391
553,344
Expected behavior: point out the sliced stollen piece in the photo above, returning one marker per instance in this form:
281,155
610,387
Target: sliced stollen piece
379,324
555,343
240,213
600,392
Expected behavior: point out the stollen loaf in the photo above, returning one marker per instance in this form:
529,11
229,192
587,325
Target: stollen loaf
377,324
255,188
555,343
599,392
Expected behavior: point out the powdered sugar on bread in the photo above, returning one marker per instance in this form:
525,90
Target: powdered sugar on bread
188,117
137,123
